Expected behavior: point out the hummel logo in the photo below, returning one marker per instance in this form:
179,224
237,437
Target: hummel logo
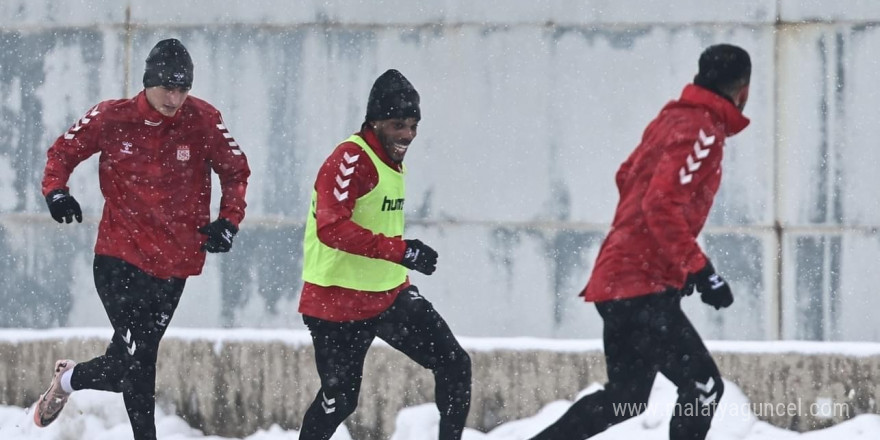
392,205
411,254
163,319
707,393
693,163
716,281
58,197
328,404
131,344
126,148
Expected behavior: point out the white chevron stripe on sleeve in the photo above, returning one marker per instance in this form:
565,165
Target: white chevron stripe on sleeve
78,125
706,140
350,159
684,177
692,164
340,196
699,152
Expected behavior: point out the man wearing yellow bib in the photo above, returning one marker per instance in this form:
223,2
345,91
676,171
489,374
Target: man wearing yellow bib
356,286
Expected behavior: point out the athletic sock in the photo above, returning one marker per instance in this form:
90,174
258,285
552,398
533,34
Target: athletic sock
65,381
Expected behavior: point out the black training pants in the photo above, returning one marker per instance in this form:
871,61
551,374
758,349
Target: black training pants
140,307
643,336
410,325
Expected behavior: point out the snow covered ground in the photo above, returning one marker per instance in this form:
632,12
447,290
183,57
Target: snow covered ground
101,416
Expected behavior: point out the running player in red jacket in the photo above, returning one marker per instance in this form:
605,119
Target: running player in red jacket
650,258
355,271
157,151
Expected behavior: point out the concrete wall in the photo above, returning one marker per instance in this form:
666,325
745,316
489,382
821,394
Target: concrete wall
529,107
233,382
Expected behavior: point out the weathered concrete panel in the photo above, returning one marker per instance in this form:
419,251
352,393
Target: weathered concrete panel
405,13
821,10
61,13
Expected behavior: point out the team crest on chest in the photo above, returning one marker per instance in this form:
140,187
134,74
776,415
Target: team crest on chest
183,152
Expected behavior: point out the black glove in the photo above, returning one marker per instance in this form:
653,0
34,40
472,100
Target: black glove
220,233
688,287
63,206
713,289
419,256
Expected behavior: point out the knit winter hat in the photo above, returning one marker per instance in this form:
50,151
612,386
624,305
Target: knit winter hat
169,65
722,65
393,97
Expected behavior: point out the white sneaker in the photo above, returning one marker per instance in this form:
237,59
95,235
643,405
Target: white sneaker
51,402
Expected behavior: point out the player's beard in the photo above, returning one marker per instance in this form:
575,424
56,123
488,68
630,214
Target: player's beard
395,149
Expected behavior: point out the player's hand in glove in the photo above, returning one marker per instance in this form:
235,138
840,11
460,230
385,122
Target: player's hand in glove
713,289
220,233
419,256
63,207
688,288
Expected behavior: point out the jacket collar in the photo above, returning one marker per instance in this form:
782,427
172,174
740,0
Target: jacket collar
732,120
152,117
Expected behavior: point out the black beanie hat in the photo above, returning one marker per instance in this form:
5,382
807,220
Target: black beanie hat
393,97
169,65
722,66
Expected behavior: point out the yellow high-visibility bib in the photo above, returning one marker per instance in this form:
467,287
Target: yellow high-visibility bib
379,211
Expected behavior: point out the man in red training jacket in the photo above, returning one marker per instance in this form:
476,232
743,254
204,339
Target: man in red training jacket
650,258
157,151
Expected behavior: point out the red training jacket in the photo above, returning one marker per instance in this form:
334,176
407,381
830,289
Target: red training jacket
155,175
337,230
667,186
